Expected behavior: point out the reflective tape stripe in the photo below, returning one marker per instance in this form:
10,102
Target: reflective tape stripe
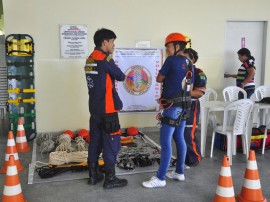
11,142
91,72
225,171
225,192
16,157
12,190
252,165
12,170
21,139
252,184
20,127
91,64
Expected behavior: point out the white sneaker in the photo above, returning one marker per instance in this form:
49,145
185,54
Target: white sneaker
176,176
154,182
186,167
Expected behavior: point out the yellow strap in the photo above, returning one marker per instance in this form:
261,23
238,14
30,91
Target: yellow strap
29,100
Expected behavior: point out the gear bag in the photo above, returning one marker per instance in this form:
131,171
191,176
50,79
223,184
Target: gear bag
110,123
256,141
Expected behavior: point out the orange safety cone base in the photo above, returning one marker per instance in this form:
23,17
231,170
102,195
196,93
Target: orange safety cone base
223,199
22,149
17,198
241,199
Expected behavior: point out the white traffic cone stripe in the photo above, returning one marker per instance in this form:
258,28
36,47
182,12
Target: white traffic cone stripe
12,170
225,192
252,165
252,184
16,156
20,128
225,171
21,139
10,142
12,190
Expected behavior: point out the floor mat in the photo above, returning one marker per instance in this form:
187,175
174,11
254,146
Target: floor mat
145,145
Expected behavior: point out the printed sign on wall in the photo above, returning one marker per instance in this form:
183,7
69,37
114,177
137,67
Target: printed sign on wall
139,92
73,41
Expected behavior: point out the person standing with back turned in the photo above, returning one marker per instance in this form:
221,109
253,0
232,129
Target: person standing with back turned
176,70
193,156
104,104
246,73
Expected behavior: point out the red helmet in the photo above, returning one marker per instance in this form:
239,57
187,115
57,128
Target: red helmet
132,131
175,37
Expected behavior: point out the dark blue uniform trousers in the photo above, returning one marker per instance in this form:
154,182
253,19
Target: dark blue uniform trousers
100,141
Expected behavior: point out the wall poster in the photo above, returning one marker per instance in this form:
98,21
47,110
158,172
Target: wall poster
74,41
140,91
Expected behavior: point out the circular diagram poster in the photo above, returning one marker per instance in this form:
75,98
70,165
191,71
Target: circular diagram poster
140,91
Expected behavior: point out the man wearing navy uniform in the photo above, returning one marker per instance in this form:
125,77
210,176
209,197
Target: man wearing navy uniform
104,104
193,156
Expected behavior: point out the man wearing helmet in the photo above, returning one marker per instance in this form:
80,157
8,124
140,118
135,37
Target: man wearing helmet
173,74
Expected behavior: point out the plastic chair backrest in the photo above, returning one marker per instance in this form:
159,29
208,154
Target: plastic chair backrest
262,91
231,93
209,93
243,109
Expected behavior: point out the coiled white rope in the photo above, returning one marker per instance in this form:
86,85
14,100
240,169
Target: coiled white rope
80,143
64,141
63,157
46,143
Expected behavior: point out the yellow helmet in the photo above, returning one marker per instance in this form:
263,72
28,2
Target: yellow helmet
188,40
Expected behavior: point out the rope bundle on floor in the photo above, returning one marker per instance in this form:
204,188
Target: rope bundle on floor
63,157
64,141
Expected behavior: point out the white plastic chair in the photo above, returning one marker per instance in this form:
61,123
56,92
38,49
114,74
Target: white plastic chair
265,132
210,94
231,93
260,93
240,126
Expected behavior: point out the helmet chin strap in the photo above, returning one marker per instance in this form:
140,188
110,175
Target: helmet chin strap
175,52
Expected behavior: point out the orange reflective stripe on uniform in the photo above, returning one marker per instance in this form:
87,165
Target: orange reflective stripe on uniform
109,103
194,146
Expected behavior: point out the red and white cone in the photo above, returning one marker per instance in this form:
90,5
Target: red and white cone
21,141
11,150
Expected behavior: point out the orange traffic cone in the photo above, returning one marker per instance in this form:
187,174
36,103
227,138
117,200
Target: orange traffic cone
251,189
12,188
21,141
225,190
11,150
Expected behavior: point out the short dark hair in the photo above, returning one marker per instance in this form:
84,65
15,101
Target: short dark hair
192,54
103,34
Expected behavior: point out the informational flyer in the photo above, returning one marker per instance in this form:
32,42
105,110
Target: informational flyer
73,41
140,91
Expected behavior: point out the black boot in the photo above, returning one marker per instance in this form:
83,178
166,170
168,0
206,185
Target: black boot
94,175
111,181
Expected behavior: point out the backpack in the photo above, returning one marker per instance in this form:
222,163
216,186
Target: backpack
256,141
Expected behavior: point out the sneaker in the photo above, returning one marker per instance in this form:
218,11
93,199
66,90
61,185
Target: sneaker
176,176
154,182
186,167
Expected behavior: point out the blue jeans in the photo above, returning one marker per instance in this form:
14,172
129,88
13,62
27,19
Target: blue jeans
166,134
